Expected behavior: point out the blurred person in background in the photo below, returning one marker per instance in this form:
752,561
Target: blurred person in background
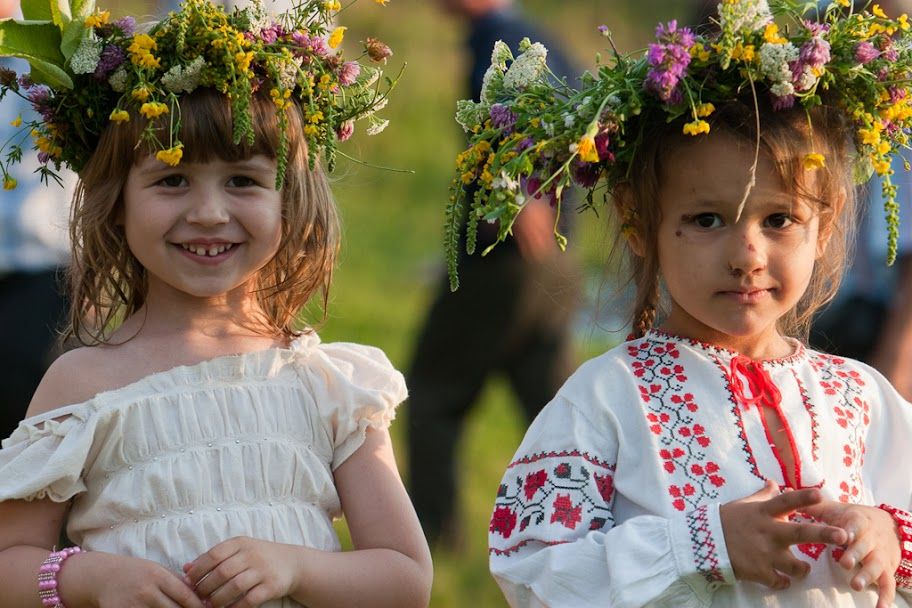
33,252
871,317
520,299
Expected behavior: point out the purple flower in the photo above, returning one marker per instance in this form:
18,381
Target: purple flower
111,58
586,175
783,103
25,81
815,53
816,28
348,73
319,47
345,130
525,144
532,185
601,146
603,30
502,117
272,33
865,52
897,94
127,25
44,158
40,98
669,58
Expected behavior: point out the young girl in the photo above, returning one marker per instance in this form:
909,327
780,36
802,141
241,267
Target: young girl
713,459
200,449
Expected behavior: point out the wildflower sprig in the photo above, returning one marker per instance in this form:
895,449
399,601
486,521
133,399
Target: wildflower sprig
89,72
531,136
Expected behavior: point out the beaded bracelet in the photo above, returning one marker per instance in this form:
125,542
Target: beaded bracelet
47,577
904,529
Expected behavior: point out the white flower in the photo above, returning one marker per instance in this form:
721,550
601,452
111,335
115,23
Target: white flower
782,89
493,79
288,75
527,67
118,80
750,15
469,113
184,79
774,62
569,120
806,80
87,55
501,54
377,127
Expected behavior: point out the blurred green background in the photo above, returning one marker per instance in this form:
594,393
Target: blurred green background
392,252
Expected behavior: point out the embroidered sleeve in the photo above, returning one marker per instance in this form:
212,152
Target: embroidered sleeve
554,539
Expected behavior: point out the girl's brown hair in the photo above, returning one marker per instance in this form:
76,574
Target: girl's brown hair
786,137
108,284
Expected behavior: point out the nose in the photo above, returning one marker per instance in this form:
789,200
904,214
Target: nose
747,250
208,207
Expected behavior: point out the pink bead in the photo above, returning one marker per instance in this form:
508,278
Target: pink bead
51,584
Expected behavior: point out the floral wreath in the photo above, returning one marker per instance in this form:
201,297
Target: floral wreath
531,135
87,71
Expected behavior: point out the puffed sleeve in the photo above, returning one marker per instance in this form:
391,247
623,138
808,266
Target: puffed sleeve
554,539
46,455
355,387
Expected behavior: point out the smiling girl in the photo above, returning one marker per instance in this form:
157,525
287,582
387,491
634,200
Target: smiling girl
200,445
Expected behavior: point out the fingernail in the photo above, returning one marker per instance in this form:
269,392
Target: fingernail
862,582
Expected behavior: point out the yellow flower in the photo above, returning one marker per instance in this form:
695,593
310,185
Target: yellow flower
878,12
335,39
882,167
171,156
315,117
16,122
119,116
142,43
883,147
332,5
153,109
771,34
9,183
700,52
814,161
148,61
843,3
696,127
869,136
243,60
98,19
382,2
704,109
586,149
310,130
903,22
140,93
743,53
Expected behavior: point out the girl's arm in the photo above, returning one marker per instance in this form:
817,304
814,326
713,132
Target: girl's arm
390,566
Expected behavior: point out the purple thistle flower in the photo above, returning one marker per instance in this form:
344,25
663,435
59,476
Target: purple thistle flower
272,33
319,47
669,58
603,30
815,52
40,98
44,158
865,52
502,117
111,58
127,25
349,72
816,28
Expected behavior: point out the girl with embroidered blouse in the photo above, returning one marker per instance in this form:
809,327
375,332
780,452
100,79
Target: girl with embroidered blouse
200,448
714,459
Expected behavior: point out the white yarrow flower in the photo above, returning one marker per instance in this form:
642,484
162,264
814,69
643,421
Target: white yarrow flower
87,55
118,80
377,127
184,79
501,54
527,67
774,64
750,15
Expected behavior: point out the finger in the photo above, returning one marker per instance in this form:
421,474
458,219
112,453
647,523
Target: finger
180,595
871,569
791,566
789,533
221,574
235,589
255,597
886,590
769,490
205,563
789,502
856,552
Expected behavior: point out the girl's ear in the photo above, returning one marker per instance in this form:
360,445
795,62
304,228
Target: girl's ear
624,206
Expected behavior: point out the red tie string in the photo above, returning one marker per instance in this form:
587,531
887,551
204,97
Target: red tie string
762,388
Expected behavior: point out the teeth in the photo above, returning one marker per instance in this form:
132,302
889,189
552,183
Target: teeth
213,250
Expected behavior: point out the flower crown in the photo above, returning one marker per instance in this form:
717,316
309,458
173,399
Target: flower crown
88,71
532,135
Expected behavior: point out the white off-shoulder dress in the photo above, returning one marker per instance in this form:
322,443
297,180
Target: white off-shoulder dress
171,465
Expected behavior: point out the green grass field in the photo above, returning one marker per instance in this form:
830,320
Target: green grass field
392,252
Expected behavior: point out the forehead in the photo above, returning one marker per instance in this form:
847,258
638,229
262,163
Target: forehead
717,168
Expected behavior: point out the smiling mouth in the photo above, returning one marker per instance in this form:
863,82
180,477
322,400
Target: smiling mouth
749,296
207,250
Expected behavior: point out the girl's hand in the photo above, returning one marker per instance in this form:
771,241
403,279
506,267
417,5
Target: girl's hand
115,581
243,572
872,543
759,535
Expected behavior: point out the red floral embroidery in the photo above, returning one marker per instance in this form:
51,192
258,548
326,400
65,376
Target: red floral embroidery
534,481
566,512
605,485
503,521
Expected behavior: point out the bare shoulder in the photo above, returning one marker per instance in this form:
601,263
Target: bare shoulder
74,377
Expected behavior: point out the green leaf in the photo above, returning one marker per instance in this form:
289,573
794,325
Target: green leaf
60,12
38,42
82,9
73,33
37,10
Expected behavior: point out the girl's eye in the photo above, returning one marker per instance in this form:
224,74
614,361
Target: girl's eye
241,181
779,220
172,181
707,220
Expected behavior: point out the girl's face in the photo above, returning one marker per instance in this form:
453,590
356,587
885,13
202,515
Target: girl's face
730,279
202,229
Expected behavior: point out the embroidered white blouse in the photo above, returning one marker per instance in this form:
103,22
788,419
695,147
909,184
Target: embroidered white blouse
177,462
613,497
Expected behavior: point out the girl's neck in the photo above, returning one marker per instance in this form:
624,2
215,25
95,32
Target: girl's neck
768,345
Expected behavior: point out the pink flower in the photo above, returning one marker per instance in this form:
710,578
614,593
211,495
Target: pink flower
349,72
865,52
345,130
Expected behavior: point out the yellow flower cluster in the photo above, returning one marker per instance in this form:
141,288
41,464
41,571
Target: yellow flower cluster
814,161
696,127
153,109
120,116
335,39
141,51
280,98
171,156
98,19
